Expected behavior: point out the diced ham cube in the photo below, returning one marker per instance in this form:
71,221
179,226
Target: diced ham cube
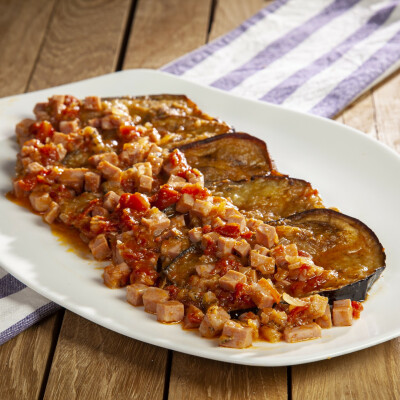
225,246
185,203
325,321
171,248
109,171
193,317
253,224
73,178
176,182
99,211
342,313
194,178
57,103
270,334
209,239
19,189
111,157
317,305
236,336
202,207
110,200
301,333
204,270
291,250
178,221
99,247
195,235
69,126
134,293
261,249
116,276
40,111
264,264
144,169
92,181
40,201
266,235
34,168
92,103
213,322
264,293
152,296
61,138
145,183
238,219
231,279
156,163
52,212
157,222
242,247
170,311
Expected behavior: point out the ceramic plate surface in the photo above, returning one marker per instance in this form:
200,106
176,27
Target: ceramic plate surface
352,172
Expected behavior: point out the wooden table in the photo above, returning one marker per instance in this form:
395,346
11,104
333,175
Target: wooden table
45,43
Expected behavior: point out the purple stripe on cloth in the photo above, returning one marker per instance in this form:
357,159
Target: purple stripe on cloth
280,93
28,321
189,61
360,79
9,285
283,45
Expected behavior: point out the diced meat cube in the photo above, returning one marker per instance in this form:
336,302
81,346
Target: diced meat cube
109,171
144,169
291,250
40,111
270,334
204,270
225,246
111,157
217,222
116,276
253,224
279,318
194,178
195,235
157,222
176,182
342,313
238,219
92,103
325,321
134,293
19,189
34,168
99,247
266,235
266,265
73,178
261,249
236,336
132,153
40,201
57,103
110,200
242,247
251,320
92,181
263,294
61,138
209,239
193,317
156,163
69,126
100,211
213,322
145,183
231,279
170,311
202,207
301,333
178,221
171,248
52,212
317,305
185,203
152,296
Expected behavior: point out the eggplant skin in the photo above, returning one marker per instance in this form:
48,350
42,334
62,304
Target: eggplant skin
269,197
234,156
337,242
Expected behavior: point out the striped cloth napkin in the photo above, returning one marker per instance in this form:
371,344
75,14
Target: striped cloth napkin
313,56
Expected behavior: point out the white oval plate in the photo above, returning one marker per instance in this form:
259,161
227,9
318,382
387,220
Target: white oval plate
352,172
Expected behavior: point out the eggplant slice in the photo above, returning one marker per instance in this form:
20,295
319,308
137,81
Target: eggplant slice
337,242
269,197
234,156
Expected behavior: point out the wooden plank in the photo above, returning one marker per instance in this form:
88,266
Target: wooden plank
92,362
198,378
22,29
230,13
25,358
83,40
165,30
369,374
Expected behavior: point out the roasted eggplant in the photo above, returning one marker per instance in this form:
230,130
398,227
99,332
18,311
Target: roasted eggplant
336,242
269,197
234,156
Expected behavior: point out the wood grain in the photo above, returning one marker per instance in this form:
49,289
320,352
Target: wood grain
25,358
165,30
22,28
198,378
92,362
83,40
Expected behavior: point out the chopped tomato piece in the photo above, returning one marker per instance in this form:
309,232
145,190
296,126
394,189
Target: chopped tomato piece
231,230
42,130
196,191
135,201
357,308
165,197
